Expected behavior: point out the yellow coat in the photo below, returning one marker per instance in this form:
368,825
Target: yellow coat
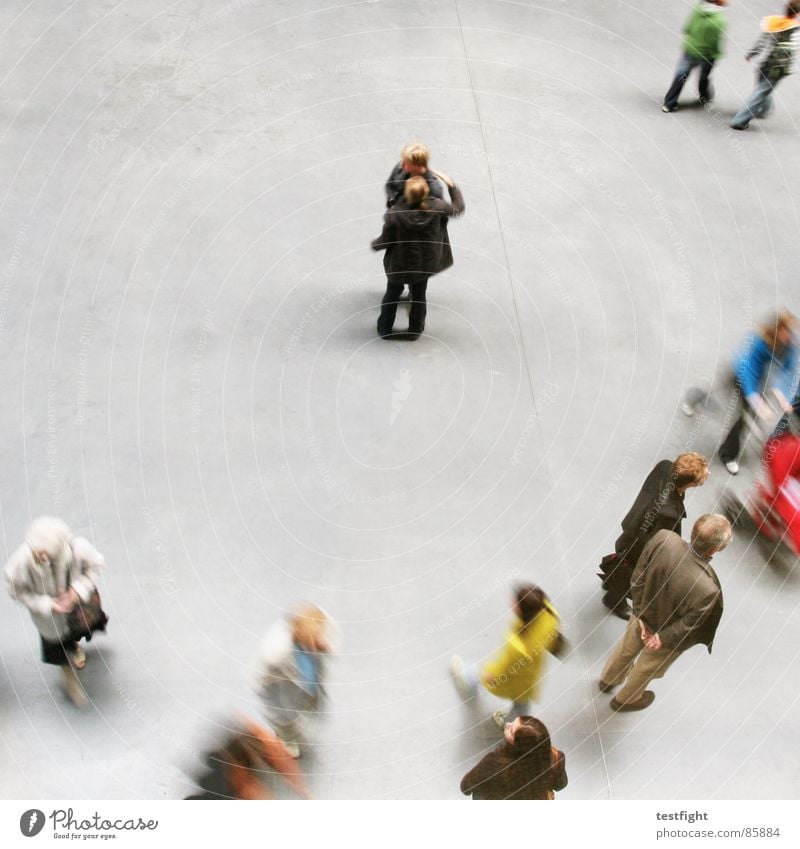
514,672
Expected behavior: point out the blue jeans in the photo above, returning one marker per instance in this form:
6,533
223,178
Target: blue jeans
685,67
759,104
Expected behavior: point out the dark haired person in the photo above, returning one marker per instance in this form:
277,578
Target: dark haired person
516,669
524,766
658,506
777,45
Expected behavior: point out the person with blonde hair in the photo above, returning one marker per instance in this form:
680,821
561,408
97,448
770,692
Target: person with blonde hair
291,672
417,246
677,604
413,163
54,574
658,506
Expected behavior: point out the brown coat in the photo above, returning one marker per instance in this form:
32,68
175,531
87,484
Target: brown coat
676,593
502,774
415,239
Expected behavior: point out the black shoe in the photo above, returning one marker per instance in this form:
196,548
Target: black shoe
666,108
648,697
605,688
740,126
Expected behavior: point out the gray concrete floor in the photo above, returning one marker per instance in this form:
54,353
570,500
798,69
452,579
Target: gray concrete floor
192,378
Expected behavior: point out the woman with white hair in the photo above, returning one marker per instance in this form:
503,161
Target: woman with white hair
54,573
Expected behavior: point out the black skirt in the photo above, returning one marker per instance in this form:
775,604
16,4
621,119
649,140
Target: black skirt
56,652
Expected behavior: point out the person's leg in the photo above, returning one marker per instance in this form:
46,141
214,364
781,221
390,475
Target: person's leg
755,104
729,449
465,676
623,655
389,307
767,102
649,665
419,307
679,80
704,87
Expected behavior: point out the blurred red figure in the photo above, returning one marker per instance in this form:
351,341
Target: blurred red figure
776,511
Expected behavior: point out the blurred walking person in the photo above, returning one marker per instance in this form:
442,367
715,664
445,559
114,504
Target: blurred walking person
417,246
516,670
777,45
54,574
658,506
524,766
702,46
766,361
291,672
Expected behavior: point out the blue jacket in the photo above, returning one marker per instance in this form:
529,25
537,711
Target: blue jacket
756,366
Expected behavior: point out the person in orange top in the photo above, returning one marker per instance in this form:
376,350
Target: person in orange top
777,43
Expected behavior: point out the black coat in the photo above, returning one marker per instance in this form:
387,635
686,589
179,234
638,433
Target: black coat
415,239
502,774
658,507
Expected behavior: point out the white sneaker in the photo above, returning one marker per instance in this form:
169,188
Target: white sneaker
73,687
687,409
77,657
499,719
732,466
460,679
292,747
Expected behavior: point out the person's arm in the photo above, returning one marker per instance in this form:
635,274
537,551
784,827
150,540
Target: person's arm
673,635
638,580
717,37
559,769
786,383
760,44
387,236
750,370
88,565
456,201
394,185
19,588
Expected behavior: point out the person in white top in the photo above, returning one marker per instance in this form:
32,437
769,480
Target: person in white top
54,574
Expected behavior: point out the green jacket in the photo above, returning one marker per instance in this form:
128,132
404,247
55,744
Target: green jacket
704,31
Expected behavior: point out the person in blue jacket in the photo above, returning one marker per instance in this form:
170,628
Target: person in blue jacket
767,360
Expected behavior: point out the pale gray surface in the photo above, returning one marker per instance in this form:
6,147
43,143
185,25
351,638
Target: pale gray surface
193,381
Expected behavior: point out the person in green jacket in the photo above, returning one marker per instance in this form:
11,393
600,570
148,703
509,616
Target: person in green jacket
702,46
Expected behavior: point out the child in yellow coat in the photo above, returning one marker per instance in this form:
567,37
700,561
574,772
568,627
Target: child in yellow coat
515,671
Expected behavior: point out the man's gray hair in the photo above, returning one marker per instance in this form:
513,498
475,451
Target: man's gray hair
711,532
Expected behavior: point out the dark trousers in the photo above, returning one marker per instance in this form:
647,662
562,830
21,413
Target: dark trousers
729,450
417,285
685,67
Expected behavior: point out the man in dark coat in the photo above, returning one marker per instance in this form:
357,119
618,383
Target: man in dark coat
677,604
658,506
417,247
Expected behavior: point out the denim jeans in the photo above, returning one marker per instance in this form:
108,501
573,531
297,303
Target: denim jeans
685,67
759,104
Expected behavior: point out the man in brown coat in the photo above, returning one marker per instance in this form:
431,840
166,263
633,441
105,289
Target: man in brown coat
677,603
